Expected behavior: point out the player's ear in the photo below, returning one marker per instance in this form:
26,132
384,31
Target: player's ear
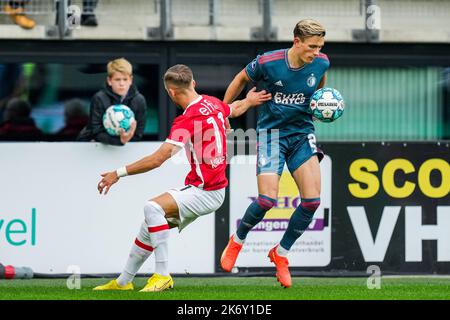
108,80
172,92
193,83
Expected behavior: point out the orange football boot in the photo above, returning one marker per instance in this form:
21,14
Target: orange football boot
281,263
17,15
230,254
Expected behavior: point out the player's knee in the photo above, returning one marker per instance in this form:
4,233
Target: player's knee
310,205
151,208
266,203
143,235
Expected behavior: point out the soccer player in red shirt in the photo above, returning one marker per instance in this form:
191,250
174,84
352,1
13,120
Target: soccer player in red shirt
200,130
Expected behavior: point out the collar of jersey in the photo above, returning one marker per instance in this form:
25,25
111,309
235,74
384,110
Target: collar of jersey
286,59
193,102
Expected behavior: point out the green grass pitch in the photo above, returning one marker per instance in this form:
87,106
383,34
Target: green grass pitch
237,288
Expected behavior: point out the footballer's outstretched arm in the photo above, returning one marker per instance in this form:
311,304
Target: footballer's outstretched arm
252,99
236,86
153,161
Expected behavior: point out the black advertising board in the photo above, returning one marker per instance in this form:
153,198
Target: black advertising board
391,206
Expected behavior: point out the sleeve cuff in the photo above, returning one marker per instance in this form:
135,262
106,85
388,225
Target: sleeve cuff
179,144
249,76
231,110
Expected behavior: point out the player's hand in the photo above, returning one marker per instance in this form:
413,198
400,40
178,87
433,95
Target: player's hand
108,179
126,136
257,98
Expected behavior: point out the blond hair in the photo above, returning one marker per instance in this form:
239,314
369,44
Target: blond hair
119,65
179,75
308,28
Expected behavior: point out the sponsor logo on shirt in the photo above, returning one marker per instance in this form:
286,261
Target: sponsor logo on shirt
279,83
291,98
217,161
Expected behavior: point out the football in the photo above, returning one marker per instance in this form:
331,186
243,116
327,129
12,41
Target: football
116,117
326,104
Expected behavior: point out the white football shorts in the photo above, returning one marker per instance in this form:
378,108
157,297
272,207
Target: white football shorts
193,202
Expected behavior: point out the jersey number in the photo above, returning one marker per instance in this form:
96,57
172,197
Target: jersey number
212,121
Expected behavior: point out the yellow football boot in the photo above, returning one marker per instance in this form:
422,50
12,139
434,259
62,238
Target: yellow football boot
113,285
158,283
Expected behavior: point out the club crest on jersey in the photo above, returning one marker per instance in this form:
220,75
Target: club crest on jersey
311,81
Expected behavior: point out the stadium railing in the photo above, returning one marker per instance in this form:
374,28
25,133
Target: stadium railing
236,20
43,12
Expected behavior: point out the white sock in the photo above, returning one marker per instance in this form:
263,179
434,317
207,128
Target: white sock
162,259
140,251
282,251
159,236
237,239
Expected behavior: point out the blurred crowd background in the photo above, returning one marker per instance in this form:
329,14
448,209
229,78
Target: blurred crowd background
389,58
